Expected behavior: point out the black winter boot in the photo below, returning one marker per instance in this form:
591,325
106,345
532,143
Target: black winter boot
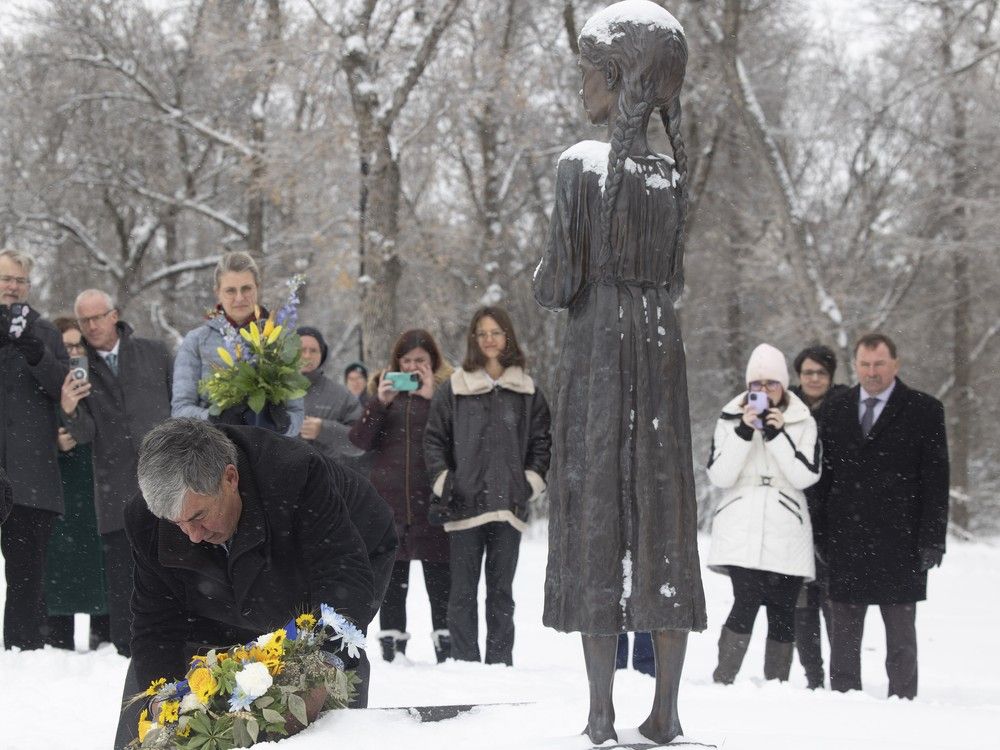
393,642
732,649
777,660
442,645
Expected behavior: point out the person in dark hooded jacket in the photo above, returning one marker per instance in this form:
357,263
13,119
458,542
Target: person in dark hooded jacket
487,449
330,408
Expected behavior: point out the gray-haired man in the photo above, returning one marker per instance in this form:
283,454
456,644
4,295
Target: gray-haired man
237,528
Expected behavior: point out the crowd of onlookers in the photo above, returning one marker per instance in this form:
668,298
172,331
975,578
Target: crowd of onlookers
832,498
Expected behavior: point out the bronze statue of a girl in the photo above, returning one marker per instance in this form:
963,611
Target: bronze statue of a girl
623,550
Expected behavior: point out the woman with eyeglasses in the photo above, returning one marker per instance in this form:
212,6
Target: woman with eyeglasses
74,569
486,447
765,452
815,366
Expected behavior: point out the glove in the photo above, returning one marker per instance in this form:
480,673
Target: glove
744,431
31,347
930,558
278,414
232,415
437,514
771,432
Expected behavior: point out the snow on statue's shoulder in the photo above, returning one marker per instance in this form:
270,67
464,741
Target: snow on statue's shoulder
600,26
593,156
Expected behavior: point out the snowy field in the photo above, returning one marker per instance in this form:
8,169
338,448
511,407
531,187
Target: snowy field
55,699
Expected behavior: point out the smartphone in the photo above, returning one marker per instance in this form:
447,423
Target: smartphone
759,403
403,381
18,319
79,368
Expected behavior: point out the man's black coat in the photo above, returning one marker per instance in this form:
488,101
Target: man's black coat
882,499
295,547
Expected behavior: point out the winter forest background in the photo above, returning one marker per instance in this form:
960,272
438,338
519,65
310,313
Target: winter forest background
401,153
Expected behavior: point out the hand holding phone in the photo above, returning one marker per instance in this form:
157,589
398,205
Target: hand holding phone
403,381
758,402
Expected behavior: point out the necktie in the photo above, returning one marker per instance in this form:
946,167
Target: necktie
868,418
112,360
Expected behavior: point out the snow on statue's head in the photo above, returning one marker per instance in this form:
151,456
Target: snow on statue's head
642,51
644,45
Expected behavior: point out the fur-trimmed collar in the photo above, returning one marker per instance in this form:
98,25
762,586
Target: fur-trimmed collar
796,411
476,383
441,374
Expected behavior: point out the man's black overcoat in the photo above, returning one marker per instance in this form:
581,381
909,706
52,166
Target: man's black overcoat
882,499
295,547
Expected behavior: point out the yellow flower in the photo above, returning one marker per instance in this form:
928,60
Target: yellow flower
184,731
203,684
156,685
241,654
255,335
274,334
268,327
306,621
169,712
225,356
221,657
144,724
246,335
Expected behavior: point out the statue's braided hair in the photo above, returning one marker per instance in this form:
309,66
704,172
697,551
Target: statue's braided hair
671,116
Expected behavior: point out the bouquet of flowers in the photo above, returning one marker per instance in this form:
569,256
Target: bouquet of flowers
271,687
261,362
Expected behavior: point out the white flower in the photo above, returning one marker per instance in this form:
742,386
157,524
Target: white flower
265,639
190,703
351,638
254,679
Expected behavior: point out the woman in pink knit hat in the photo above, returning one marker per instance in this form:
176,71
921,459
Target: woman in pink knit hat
765,452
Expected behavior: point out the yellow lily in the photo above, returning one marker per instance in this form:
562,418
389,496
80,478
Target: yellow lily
255,334
246,335
225,356
268,327
274,334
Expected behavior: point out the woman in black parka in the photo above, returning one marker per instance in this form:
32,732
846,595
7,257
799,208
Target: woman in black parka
487,452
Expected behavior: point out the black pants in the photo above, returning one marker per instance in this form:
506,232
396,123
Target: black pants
118,573
900,641
776,591
24,539
437,579
808,641
500,542
61,630
643,659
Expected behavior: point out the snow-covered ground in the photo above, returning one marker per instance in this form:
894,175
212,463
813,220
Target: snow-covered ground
52,699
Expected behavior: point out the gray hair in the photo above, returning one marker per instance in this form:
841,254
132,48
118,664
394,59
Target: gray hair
179,456
108,299
236,262
24,260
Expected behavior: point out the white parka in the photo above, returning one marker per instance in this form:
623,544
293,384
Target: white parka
762,521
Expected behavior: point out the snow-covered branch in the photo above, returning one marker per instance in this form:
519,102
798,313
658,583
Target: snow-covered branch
946,387
72,226
193,264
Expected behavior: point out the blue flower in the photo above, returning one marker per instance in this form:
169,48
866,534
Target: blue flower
240,700
350,636
291,631
328,616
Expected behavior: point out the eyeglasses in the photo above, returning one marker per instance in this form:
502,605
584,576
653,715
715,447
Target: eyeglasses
759,385
814,374
483,335
16,280
94,318
75,347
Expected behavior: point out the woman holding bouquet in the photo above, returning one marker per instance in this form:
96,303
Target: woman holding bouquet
487,452
237,286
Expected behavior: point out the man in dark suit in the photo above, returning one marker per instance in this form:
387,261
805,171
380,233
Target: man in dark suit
33,366
882,511
236,530
130,380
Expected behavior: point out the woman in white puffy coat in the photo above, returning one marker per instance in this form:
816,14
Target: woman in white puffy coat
761,531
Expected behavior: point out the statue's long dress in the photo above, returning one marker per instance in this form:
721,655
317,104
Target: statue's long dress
623,551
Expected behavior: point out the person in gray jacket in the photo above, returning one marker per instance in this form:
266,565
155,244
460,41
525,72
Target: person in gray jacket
33,367
237,287
330,408
130,380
